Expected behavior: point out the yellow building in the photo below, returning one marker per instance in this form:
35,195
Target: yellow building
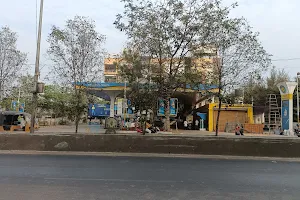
111,74
202,65
229,115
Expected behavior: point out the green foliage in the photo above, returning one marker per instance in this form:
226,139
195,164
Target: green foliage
78,106
63,102
162,34
258,90
136,70
23,91
276,76
56,101
167,32
96,100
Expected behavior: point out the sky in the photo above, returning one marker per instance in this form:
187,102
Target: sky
276,20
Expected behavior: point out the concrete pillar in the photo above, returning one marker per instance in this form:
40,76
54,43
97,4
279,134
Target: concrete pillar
286,90
112,95
112,106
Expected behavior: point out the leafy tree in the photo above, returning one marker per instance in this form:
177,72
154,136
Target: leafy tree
12,60
276,76
56,101
259,90
137,71
77,54
21,92
170,31
166,33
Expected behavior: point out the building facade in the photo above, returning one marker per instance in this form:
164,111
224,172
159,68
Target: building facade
203,66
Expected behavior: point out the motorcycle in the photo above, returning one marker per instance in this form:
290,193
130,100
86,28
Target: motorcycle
297,132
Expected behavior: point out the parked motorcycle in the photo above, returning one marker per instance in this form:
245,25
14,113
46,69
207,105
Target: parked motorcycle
297,132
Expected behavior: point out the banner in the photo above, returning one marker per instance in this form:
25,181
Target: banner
161,107
285,114
99,110
14,105
22,107
173,110
173,107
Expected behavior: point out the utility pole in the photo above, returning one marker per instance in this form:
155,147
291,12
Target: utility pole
37,70
298,74
125,104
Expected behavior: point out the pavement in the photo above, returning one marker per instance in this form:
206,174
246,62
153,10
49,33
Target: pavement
52,177
96,129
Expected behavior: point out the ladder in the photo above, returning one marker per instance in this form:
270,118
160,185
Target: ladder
273,119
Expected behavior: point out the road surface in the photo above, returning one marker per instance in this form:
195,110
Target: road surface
47,177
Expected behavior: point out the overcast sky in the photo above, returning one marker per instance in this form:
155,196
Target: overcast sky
276,20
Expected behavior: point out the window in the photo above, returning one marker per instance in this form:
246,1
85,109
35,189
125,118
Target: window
110,79
110,68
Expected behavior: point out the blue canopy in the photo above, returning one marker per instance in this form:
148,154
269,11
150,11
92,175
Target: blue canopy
202,115
106,85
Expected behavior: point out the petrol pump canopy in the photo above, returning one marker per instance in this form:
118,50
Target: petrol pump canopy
122,86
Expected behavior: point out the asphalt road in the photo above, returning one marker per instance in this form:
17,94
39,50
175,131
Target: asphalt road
44,177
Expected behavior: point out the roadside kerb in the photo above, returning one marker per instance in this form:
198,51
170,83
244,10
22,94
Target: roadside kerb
209,145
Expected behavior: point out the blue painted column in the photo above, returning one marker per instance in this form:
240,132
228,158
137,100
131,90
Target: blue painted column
286,90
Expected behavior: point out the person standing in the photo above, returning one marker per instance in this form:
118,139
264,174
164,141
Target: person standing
237,130
242,129
185,124
93,110
22,122
196,124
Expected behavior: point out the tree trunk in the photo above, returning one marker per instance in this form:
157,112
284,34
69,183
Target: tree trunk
220,73
167,114
219,112
144,127
77,113
144,121
76,123
1,95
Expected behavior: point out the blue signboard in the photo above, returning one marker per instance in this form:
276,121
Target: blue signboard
173,107
173,111
14,105
285,114
99,110
130,111
22,107
161,107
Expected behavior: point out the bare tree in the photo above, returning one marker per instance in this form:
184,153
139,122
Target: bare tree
240,55
77,55
12,60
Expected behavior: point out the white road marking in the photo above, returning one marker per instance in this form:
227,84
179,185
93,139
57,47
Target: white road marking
113,180
159,155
